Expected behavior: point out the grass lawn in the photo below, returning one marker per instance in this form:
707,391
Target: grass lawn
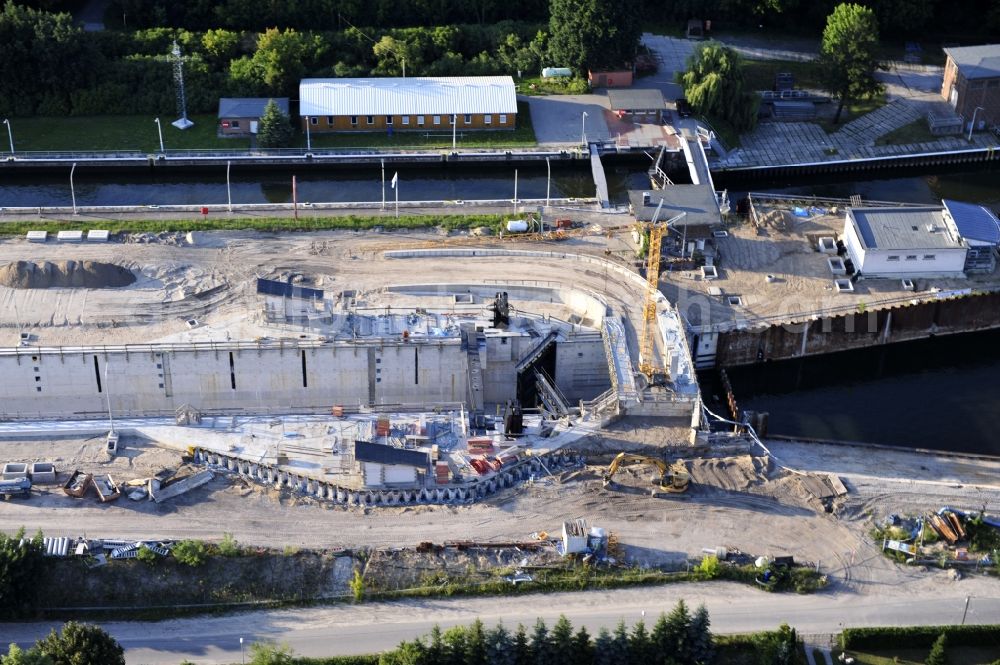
725,131
956,654
118,132
129,132
851,111
522,136
914,132
759,74
537,86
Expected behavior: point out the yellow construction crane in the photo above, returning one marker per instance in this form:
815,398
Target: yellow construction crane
648,364
674,478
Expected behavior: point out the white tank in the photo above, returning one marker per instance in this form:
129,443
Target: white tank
517,226
551,72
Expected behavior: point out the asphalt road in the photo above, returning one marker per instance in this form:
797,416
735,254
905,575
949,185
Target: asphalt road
374,627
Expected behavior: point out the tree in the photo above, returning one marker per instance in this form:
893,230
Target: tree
81,644
475,644
847,60
562,642
275,127
700,637
592,34
714,85
639,646
522,649
583,647
18,656
263,653
407,653
938,654
190,552
394,56
500,647
19,565
677,625
541,644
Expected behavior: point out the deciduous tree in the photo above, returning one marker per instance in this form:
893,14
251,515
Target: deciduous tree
847,55
715,86
591,34
81,644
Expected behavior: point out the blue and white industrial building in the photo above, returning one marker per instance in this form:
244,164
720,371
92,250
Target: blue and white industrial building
951,240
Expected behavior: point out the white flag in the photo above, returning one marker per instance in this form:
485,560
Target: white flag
395,178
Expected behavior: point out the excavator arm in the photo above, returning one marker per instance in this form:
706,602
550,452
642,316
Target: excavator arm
673,478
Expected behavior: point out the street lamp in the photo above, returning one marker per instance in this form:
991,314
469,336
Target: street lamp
159,130
309,143
583,130
9,135
72,189
243,657
972,125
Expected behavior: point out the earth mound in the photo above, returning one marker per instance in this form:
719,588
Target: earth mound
65,274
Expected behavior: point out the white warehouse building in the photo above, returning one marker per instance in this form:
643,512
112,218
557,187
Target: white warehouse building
903,242
921,241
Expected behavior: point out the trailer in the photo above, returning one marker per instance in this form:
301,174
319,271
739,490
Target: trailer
107,489
77,484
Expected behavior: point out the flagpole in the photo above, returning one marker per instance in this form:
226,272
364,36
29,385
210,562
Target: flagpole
397,199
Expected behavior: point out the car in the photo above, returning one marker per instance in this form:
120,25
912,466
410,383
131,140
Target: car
684,109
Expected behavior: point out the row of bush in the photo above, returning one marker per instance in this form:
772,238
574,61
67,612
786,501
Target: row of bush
920,637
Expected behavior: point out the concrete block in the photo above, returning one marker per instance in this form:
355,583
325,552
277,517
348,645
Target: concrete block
182,486
43,472
14,471
69,236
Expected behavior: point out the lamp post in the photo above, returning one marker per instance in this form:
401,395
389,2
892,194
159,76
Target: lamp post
583,128
548,181
243,657
159,130
309,144
10,135
229,191
972,125
966,610
72,189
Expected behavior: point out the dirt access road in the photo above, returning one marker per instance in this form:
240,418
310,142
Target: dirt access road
374,627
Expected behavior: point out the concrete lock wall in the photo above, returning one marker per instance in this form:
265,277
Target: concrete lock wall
67,382
582,367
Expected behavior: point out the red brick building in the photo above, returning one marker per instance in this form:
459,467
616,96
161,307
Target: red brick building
971,81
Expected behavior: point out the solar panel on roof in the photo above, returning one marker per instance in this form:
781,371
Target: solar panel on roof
273,287
974,222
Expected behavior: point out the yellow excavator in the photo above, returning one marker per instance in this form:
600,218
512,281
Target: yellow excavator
673,478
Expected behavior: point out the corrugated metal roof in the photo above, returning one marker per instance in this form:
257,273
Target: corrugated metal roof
273,287
409,96
365,451
976,62
903,228
974,222
248,107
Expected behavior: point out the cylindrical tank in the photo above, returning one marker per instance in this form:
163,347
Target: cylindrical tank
517,226
549,72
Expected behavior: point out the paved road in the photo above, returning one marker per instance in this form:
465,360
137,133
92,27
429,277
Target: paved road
378,626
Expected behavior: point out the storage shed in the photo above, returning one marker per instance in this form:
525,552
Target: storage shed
972,83
383,465
420,103
239,116
640,105
610,78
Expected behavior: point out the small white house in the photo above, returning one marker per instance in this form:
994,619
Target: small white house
900,242
386,466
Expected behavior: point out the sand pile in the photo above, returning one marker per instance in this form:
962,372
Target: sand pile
82,274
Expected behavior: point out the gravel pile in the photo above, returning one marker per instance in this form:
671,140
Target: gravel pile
65,274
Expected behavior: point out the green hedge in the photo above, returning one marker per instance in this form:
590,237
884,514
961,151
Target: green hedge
370,659
920,637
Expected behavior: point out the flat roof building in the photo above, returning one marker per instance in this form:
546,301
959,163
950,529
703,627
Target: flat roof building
408,104
637,103
912,241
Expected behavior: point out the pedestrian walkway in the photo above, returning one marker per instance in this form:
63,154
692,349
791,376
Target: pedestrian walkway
820,643
912,91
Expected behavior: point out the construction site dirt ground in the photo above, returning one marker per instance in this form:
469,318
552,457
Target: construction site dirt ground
740,502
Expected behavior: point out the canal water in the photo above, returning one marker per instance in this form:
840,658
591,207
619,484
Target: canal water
939,393
335,185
